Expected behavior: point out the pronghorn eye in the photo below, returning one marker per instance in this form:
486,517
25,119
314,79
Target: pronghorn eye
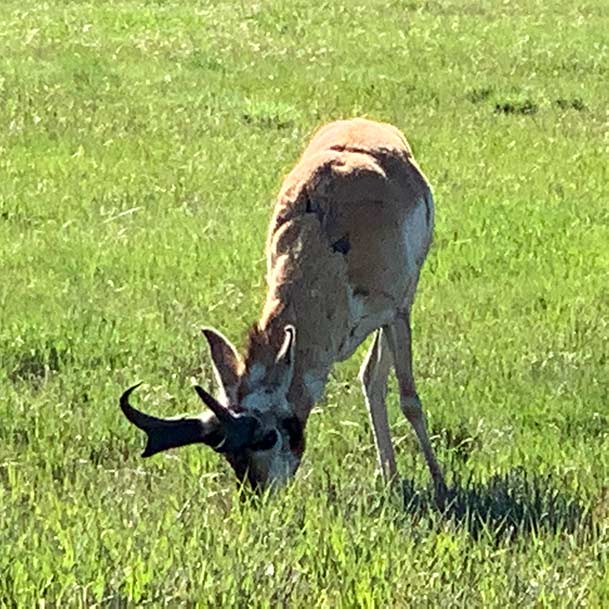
267,441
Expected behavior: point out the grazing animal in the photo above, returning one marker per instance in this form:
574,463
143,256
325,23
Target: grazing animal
351,228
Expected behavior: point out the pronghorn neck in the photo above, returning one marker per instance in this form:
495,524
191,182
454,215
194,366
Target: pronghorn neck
263,344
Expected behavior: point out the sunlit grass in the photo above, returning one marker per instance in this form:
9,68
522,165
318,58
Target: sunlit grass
141,145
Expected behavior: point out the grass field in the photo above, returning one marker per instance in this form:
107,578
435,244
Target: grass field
141,145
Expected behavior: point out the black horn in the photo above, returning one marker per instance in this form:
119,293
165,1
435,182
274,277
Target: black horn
224,414
224,432
164,434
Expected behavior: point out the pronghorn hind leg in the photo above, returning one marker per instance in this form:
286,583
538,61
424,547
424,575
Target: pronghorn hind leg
373,376
399,340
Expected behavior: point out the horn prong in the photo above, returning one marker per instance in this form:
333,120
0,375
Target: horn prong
239,429
220,411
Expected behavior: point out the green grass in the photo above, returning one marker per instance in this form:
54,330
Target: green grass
141,145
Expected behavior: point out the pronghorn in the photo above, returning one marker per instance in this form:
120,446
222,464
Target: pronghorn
351,228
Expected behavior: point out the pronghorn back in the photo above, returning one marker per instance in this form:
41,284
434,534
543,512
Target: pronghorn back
351,228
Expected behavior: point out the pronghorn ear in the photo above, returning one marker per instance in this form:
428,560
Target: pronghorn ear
284,362
228,365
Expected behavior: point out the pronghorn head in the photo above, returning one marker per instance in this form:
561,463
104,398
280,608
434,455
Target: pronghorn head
251,422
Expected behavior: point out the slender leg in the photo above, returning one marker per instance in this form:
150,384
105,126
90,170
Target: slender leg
399,340
373,375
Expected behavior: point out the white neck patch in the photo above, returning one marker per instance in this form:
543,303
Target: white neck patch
256,374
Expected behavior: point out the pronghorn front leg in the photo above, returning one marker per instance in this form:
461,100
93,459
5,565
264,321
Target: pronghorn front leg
399,340
373,375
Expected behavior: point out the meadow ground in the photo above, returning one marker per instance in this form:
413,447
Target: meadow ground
141,144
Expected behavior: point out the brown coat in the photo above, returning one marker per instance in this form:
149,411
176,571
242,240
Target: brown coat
336,247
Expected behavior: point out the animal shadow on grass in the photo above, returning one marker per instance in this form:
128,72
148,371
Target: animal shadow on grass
509,505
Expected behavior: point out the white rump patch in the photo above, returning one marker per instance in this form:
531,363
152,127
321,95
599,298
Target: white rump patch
418,229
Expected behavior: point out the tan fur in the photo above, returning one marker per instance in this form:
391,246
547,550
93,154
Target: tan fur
351,190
